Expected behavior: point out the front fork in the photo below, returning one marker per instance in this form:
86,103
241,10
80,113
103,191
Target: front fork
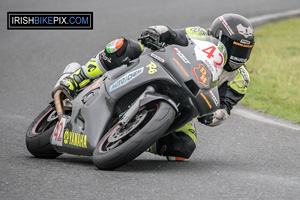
134,108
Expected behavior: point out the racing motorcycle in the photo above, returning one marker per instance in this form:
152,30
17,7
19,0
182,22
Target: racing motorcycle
121,114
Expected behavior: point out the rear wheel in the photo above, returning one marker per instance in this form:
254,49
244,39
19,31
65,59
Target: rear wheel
39,132
122,144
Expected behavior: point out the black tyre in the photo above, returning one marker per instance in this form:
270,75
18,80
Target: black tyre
121,145
39,132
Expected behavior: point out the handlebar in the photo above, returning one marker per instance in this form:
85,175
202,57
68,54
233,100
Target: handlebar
154,43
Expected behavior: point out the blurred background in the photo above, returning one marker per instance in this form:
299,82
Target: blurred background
252,158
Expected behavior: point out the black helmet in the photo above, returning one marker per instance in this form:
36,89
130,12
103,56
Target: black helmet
236,33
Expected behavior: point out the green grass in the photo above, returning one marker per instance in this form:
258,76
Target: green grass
275,70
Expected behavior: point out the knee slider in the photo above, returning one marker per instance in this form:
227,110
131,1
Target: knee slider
115,52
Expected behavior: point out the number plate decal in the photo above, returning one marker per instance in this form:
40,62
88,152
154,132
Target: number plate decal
211,55
57,135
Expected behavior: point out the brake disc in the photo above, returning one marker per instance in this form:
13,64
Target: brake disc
121,132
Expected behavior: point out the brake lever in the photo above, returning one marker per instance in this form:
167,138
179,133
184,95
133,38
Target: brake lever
160,44
143,37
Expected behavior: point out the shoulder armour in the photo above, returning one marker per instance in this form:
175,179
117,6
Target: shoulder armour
241,80
196,30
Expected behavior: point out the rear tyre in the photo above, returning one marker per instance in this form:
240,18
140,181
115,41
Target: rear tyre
39,132
121,145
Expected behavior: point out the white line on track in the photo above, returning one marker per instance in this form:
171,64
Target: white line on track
255,115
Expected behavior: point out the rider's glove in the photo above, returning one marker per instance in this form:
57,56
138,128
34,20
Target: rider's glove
150,38
214,119
207,119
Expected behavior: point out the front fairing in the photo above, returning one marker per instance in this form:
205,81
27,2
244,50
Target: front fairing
197,67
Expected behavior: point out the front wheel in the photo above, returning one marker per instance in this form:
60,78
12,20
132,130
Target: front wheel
39,132
122,144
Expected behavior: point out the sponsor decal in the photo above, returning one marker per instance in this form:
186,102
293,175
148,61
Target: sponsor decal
210,66
226,25
49,20
243,41
181,67
126,79
152,68
75,139
183,58
202,74
214,98
91,67
245,31
157,58
242,45
57,133
242,60
206,100
104,57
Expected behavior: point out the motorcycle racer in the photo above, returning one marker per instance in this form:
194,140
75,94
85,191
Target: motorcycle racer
234,31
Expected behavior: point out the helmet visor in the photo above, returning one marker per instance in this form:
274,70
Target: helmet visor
237,51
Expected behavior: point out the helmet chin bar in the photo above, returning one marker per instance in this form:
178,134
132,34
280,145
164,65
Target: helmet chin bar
234,65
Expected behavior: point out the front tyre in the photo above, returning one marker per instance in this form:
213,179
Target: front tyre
122,144
39,132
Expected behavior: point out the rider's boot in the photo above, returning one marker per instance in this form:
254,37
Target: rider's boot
71,84
177,146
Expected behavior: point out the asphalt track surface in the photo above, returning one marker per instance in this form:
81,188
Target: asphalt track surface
251,156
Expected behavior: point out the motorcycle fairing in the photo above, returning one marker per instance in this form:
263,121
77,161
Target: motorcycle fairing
95,106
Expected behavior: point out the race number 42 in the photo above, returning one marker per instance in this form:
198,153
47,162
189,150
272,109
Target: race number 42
210,53
57,135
